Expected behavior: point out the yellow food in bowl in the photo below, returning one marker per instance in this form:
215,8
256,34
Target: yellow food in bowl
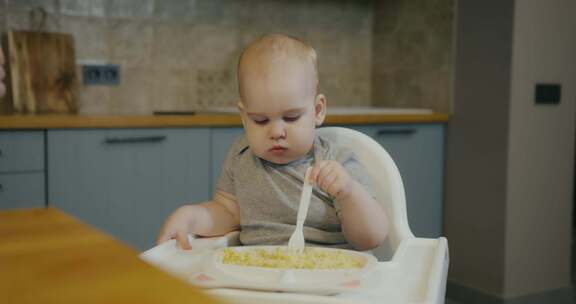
281,257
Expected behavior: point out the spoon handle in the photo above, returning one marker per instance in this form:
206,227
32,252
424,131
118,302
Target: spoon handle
305,198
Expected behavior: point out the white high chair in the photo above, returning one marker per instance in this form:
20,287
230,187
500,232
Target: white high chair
411,270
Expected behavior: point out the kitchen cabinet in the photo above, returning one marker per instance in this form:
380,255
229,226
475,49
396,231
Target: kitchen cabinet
127,181
22,169
418,151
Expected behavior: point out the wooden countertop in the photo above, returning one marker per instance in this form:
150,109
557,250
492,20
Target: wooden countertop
47,256
200,120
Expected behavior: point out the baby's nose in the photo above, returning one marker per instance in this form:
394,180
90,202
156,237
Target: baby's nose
277,130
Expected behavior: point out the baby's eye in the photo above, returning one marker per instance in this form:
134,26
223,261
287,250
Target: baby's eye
291,118
260,121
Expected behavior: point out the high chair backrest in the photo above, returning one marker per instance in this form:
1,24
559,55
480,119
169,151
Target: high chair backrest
386,181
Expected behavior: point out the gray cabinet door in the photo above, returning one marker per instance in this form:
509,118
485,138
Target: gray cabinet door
222,138
418,151
127,181
22,190
22,175
21,151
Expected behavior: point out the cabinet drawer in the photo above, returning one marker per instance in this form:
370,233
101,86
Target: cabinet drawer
22,190
21,151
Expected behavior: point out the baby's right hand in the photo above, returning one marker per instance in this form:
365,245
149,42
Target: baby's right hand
177,226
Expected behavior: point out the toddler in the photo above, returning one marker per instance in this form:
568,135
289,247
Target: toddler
259,189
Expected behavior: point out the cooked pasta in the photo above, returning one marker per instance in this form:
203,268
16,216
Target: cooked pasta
281,257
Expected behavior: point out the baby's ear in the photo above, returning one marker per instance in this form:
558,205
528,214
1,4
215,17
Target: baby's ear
320,109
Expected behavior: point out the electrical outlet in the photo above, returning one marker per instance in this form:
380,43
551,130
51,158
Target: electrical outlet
105,74
548,93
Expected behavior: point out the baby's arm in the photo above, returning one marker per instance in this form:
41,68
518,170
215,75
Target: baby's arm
364,222
212,218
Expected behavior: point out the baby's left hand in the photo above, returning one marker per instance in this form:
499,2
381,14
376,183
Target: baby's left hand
331,177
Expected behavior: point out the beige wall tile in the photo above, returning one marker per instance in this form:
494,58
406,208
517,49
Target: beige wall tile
217,12
3,18
382,88
436,84
27,15
412,54
174,89
175,10
190,48
18,19
171,45
130,42
216,88
134,95
94,100
129,8
90,36
272,15
213,47
94,8
49,5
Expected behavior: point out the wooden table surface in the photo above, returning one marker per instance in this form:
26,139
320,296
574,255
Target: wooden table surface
47,256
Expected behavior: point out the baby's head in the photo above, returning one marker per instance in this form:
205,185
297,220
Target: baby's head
279,103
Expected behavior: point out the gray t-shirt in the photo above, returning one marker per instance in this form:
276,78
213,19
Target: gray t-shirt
268,195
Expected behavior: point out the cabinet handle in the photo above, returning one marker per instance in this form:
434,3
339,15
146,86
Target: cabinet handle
403,131
135,139
1,187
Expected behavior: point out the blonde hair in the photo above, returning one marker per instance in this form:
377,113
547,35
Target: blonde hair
279,44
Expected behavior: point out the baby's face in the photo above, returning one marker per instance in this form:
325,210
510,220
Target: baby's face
280,112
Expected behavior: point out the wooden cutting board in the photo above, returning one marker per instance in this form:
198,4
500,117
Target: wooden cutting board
41,72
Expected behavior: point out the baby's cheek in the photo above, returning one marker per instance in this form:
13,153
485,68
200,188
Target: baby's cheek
255,140
308,132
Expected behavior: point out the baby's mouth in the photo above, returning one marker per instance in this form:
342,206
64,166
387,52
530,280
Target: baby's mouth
278,149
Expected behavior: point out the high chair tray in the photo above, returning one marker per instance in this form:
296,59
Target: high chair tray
416,274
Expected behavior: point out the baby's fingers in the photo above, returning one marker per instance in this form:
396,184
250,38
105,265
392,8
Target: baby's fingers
326,176
180,236
182,239
163,237
316,171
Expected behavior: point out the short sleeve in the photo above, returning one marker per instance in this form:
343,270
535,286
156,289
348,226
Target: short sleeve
348,159
226,179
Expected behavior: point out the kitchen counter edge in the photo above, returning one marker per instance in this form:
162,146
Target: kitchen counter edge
50,121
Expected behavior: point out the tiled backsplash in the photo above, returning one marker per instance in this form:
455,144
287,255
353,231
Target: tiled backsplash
182,54
412,54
